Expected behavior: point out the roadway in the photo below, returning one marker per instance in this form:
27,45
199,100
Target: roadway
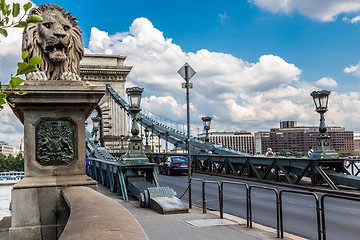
342,216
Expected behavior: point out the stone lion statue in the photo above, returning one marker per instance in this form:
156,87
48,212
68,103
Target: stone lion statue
57,40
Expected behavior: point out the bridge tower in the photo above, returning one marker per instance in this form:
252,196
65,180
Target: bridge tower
99,70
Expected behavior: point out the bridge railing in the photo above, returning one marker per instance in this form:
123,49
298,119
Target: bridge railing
317,209
247,199
353,165
277,205
323,208
319,205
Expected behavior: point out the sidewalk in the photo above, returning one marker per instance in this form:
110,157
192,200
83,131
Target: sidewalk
4,227
194,225
190,226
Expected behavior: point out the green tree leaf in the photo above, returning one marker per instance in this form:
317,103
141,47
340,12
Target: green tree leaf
27,6
15,81
24,55
2,5
2,101
34,18
4,8
3,32
30,68
21,24
16,9
35,61
22,66
1,23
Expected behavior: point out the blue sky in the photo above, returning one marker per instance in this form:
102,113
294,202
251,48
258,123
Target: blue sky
239,28
257,61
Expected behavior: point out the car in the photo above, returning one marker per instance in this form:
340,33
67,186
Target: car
174,164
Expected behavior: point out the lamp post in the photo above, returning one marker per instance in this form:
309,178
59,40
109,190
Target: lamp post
122,142
96,127
136,153
206,122
147,147
323,147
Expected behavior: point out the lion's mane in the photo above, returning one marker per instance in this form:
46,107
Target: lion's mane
52,70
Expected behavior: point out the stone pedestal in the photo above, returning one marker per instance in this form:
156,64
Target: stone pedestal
136,153
323,149
53,114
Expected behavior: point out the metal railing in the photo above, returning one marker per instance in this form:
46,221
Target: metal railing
323,208
277,205
247,199
203,182
319,208
351,163
301,193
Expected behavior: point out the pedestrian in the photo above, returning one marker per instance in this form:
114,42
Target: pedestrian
311,150
269,153
87,165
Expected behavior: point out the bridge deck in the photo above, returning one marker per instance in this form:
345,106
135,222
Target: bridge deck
95,216
194,225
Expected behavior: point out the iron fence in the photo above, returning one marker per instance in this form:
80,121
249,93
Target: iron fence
319,205
108,175
277,205
323,208
247,199
352,164
301,193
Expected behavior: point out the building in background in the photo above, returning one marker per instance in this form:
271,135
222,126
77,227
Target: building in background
3,143
22,145
240,141
299,138
357,143
7,150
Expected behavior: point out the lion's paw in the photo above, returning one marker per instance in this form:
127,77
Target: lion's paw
69,76
36,76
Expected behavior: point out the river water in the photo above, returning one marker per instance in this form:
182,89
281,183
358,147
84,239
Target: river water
5,198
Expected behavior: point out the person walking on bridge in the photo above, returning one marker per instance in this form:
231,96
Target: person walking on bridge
311,150
269,153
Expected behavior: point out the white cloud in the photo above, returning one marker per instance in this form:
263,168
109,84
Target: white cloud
11,130
235,92
322,10
223,17
10,51
354,69
10,54
353,20
238,94
326,82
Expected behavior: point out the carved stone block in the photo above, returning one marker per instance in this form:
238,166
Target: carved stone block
55,143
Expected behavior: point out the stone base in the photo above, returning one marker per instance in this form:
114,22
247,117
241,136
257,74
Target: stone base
38,209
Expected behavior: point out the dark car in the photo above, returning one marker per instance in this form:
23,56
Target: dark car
175,164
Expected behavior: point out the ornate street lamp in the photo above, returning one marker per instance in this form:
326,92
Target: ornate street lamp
323,149
147,147
136,152
96,127
206,122
134,94
122,136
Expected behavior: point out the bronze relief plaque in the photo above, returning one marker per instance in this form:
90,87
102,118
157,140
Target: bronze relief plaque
55,143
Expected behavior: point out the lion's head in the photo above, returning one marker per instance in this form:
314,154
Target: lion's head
57,40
